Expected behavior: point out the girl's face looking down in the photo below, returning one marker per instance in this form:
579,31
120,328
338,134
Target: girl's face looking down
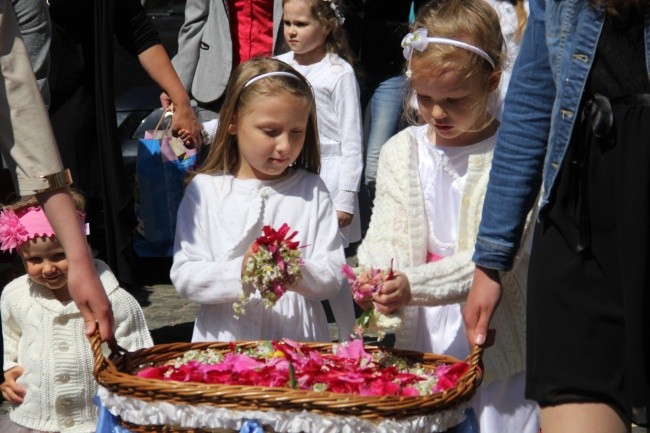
270,135
47,265
304,34
455,106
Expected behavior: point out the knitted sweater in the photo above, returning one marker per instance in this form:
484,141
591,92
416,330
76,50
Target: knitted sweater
398,231
46,338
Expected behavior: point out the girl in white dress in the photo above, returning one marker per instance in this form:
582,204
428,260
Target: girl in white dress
431,182
262,169
313,31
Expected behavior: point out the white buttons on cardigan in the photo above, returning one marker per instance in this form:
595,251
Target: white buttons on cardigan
63,346
68,422
63,320
63,378
64,403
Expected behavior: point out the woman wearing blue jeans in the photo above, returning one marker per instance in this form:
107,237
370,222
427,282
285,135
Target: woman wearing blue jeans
577,123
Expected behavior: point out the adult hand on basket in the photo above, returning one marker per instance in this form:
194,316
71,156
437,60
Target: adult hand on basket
482,301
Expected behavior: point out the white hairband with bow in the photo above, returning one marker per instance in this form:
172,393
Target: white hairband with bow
419,40
337,12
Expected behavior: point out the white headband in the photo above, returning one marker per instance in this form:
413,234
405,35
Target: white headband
270,74
419,40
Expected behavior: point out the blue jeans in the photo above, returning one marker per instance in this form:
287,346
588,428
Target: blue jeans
385,107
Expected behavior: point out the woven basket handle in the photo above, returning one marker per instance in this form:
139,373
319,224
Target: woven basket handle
100,362
475,364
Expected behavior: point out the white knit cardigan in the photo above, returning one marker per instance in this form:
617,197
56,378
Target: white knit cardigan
46,338
398,231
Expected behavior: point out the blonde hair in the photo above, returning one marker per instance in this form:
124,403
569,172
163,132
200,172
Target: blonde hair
522,19
224,154
336,40
471,21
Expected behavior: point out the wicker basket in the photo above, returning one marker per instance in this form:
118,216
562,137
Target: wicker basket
114,374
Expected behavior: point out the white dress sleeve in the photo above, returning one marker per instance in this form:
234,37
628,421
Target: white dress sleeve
347,108
321,271
195,273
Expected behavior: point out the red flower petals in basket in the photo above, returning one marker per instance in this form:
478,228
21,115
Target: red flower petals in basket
349,369
272,268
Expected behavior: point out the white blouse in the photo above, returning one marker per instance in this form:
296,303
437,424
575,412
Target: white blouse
442,171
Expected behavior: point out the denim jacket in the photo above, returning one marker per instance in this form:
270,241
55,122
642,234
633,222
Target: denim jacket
541,109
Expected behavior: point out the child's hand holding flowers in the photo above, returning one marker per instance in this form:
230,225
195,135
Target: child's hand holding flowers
393,294
367,286
271,265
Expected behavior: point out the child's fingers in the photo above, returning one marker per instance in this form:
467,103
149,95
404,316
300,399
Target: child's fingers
19,391
388,307
13,394
386,299
390,286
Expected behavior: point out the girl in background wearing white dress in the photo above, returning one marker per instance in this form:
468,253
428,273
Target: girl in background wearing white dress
262,169
319,50
431,182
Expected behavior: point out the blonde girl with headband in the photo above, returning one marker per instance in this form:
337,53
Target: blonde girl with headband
262,169
48,363
313,31
431,181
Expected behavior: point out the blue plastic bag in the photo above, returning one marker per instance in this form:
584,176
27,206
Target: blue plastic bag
251,426
107,422
160,174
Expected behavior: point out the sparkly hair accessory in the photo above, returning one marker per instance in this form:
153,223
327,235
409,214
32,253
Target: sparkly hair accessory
420,41
28,223
337,11
270,74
